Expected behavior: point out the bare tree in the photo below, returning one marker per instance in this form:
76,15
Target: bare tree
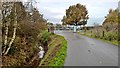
14,31
7,9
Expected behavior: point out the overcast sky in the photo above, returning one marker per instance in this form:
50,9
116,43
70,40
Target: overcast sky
54,10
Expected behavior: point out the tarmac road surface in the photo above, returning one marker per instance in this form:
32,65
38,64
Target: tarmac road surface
85,51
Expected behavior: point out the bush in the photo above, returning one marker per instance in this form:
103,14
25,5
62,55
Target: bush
45,37
111,36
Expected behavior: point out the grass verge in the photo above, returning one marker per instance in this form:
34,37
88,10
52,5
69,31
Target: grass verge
56,53
111,42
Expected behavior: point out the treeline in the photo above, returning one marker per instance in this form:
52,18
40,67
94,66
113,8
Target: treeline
22,34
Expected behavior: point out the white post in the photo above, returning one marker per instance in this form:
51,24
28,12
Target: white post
75,28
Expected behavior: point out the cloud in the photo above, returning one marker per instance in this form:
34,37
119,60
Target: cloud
54,10
53,15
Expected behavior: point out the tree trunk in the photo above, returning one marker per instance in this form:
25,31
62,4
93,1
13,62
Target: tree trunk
6,36
6,33
84,28
14,33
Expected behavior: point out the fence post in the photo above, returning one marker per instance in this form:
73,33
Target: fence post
103,33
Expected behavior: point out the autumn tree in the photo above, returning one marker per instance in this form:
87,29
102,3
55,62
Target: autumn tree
111,24
76,15
111,20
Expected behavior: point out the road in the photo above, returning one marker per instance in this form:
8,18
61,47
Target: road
85,51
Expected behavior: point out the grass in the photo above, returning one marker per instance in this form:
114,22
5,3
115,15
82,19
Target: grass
59,58
56,53
115,42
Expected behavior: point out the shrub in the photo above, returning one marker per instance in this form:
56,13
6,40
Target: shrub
111,36
45,37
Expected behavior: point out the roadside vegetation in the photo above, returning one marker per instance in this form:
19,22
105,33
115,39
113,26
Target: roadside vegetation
57,52
23,32
108,31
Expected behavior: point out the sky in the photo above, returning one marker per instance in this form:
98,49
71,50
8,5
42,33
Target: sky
54,10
